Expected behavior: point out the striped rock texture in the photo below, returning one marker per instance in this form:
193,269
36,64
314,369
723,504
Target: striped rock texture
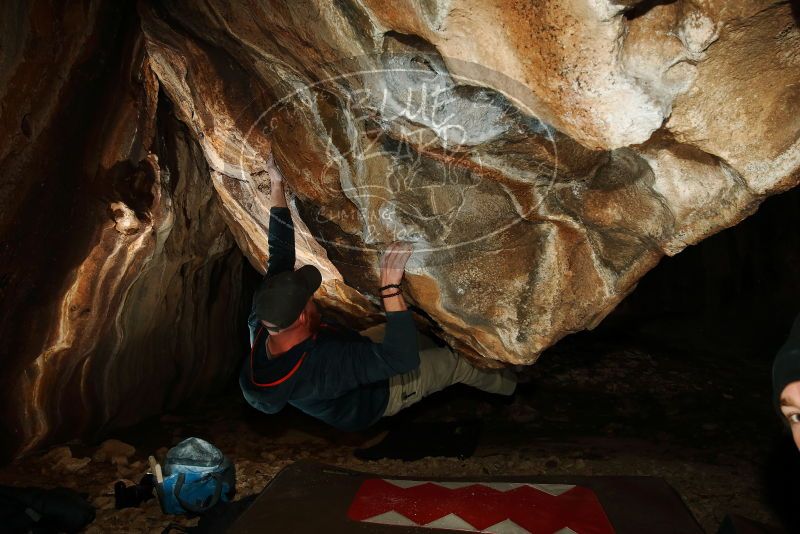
541,155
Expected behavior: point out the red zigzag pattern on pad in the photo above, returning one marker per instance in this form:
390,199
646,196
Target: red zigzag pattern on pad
482,506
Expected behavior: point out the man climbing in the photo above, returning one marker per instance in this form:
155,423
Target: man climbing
331,372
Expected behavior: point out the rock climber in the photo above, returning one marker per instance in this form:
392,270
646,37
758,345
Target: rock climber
329,371
786,381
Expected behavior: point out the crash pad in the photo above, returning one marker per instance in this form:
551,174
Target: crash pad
308,497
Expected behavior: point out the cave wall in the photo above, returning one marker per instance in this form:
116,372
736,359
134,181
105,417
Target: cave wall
542,156
120,280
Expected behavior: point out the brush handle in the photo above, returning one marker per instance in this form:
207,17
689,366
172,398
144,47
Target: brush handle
156,469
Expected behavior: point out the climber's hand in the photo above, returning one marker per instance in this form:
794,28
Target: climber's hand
277,192
271,166
393,262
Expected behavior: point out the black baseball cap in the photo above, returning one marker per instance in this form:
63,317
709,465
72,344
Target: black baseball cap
280,298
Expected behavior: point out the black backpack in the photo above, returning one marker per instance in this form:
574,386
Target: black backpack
41,511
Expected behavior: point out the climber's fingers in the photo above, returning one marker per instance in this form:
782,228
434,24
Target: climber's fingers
396,256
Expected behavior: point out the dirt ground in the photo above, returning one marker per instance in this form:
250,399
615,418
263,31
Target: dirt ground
704,425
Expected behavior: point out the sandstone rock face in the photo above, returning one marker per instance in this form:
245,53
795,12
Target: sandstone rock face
541,155
120,281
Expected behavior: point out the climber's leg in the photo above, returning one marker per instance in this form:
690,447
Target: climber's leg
439,368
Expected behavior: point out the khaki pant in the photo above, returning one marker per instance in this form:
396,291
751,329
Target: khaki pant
439,367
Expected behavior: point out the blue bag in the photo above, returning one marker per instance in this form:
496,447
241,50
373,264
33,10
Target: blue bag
196,477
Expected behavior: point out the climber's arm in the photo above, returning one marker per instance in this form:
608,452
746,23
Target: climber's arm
281,228
353,364
393,266
280,239
277,195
